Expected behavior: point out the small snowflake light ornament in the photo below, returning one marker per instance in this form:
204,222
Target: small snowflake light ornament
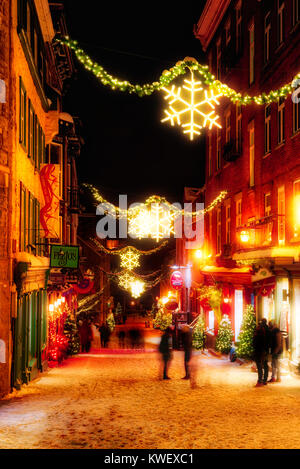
191,107
130,259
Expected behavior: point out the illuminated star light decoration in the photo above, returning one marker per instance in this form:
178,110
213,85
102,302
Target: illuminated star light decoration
156,222
130,259
187,111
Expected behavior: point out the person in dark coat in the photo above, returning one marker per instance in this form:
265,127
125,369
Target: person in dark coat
102,330
187,343
165,348
261,344
276,351
86,336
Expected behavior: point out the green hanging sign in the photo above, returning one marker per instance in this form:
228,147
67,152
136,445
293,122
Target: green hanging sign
66,257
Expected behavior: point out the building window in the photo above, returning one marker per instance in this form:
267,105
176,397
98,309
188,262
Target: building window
251,153
238,213
296,116
228,32
219,231
281,120
209,155
228,126
22,117
296,12
280,16
219,149
281,216
228,224
297,208
268,129
251,53
219,59
23,218
239,28
238,128
267,37
269,225
31,124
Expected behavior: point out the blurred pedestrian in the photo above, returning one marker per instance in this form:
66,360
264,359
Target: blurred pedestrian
102,330
187,343
165,348
121,337
276,351
107,333
261,344
86,336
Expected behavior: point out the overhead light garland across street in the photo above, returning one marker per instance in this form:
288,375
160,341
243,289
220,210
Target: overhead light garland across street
196,114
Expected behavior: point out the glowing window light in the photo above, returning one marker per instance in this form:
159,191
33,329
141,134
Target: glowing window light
199,254
192,113
245,236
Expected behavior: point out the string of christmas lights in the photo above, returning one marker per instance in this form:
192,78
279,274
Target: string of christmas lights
132,248
171,74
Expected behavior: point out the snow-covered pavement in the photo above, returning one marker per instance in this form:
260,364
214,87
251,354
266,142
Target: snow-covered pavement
112,401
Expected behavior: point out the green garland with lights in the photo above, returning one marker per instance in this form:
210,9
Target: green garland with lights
170,75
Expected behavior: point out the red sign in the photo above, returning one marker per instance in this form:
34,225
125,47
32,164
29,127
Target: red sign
171,305
177,280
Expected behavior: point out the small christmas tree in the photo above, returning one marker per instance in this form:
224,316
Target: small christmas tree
162,320
225,335
71,332
118,313
111,322
199,334
245,339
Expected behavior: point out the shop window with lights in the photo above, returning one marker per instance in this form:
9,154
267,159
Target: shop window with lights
281,216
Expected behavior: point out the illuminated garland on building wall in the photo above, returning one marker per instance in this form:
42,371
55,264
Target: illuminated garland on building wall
171,74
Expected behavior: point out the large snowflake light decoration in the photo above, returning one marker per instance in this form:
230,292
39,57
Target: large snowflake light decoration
156,222
130,259
125,280
191,107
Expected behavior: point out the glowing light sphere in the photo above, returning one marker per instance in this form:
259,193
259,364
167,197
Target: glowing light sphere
130,259
191,107
245,236
137,288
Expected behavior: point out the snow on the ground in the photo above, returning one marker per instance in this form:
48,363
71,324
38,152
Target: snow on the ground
118,402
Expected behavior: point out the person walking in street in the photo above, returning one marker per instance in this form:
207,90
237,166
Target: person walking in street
165,348
86,335
276,351
102,330
187,343
261,343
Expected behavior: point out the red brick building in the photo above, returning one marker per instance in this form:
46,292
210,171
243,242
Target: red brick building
252,238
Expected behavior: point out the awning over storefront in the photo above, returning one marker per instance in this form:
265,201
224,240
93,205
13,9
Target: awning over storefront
237,276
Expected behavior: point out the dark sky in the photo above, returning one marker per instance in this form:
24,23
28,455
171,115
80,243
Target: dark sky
127,149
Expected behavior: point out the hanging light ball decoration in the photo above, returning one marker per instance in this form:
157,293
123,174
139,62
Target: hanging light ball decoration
137,288
192,107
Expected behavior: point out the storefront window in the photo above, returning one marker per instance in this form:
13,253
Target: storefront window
238,312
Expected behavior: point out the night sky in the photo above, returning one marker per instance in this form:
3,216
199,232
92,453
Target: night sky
127,149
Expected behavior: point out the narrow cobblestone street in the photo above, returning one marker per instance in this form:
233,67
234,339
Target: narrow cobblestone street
117,401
